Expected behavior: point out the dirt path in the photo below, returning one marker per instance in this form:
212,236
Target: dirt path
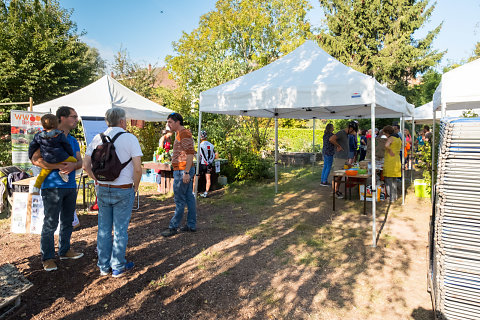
283,257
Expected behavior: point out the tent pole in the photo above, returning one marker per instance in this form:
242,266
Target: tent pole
276,153
374,177
402,126
432,146
197,175
313,146
412,149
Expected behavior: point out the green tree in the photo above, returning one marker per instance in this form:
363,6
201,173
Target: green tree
237,37
138,78
476,52
376,38
41,54
423,92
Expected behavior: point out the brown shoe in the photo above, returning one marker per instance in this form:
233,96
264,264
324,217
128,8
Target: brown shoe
49,265
71,255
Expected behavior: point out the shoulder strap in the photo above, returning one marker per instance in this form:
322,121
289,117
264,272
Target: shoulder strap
104,137
116,136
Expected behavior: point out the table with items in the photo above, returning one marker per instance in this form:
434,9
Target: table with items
358,179
165,176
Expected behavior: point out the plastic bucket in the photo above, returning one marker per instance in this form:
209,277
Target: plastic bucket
420,188
222,180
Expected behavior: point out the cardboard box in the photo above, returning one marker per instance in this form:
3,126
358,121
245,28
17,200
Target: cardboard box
380,193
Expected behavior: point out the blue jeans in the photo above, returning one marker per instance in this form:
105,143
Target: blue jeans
58,203
114,212
182,195
327,166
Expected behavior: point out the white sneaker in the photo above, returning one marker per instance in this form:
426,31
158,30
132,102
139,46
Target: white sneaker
64,176
204,195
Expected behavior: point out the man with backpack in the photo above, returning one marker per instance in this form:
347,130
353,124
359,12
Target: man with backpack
113,160
59,197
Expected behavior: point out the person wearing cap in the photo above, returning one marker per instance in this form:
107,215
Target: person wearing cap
341,142
207,156
183,173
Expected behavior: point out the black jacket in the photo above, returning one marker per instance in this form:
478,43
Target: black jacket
54,146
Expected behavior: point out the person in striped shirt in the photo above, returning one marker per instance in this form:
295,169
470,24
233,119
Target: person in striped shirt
183,173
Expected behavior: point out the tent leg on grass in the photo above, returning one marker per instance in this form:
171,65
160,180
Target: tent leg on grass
276,153
313,146
402,128
374,178
197,169
432,145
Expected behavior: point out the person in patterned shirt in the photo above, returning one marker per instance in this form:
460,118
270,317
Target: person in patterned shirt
183,174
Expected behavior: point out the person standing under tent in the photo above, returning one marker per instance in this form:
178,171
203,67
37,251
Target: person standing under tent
408,149
165,142
363,145
207,156
392,168
328,152
59,196
116,198
340,141
352,148
427,135
183,173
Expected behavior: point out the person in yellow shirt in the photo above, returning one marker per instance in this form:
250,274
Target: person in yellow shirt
392,168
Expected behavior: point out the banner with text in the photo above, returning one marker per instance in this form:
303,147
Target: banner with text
25,124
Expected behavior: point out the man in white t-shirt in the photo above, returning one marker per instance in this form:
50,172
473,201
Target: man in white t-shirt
207,156
115,198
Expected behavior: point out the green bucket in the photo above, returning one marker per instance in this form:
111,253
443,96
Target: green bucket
420,188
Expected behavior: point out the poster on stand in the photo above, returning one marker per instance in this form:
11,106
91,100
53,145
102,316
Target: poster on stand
19,212
24,126
93,126
37,215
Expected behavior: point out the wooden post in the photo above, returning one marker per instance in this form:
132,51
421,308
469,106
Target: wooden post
31,104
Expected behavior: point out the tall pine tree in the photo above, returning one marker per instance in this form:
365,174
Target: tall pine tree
376,37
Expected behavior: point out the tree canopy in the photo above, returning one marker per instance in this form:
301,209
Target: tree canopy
41,54
377,38
237,37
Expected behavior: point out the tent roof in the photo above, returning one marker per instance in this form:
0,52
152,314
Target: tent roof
304,84
425,113
105,93
459,88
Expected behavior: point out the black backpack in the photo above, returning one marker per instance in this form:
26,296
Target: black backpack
105,163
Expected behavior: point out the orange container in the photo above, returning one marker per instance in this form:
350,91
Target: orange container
351,172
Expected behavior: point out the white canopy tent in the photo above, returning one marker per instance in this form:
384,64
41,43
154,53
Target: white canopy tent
307,83
105,93
458,90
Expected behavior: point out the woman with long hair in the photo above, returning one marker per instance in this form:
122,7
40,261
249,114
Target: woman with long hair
328,151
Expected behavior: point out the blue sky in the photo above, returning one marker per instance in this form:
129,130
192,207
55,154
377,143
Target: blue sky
147,28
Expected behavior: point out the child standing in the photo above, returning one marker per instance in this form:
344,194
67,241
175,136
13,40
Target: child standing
54,147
